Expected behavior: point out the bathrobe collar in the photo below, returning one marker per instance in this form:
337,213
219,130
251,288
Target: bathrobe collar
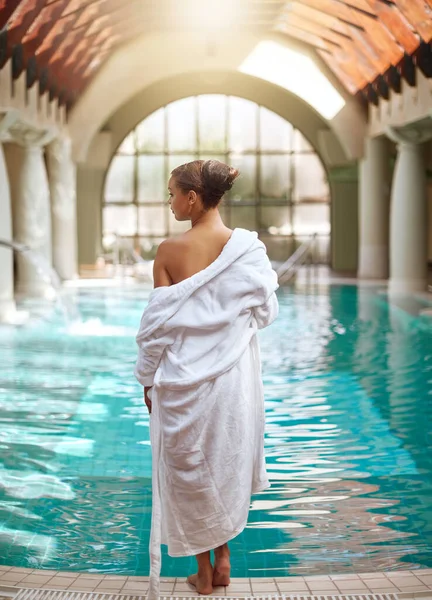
173,296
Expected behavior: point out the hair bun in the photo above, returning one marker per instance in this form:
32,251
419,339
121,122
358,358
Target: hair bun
232,175
217,178
210,178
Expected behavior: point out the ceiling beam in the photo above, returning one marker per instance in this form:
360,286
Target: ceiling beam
17,26
7,8
335,9
369,45
370,94
310,38
407,70
59,63
359,6
423,59
323,32
380,43
397,25
41,27
381,87
393,79
349,79
52,42
418,13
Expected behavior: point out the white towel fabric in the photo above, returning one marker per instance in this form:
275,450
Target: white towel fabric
199,350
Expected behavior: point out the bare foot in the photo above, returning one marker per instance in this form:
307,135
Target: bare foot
202,582
222,571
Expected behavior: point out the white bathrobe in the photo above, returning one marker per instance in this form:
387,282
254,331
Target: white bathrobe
198,348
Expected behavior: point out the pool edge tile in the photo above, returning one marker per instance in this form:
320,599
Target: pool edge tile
109,583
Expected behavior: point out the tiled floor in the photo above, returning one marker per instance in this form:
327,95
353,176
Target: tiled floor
410,583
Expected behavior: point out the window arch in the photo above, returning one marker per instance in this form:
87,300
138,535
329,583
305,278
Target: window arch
283,192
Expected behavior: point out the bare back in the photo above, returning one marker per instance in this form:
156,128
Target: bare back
194,251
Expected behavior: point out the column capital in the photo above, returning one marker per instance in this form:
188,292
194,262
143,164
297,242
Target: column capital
27,136
411,135
7,118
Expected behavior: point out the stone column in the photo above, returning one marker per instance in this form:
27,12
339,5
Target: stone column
374,202
7,304
408,214
31,212
62,182
344,218
90,181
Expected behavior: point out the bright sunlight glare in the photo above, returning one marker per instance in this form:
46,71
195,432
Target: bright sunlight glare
294,72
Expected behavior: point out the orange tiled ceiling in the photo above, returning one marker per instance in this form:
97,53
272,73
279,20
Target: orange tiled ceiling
368,44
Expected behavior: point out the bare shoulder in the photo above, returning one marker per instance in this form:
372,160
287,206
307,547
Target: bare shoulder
192,239
176,243
173,251
181,256
191,250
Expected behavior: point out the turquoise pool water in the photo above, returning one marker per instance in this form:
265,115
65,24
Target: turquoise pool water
348,386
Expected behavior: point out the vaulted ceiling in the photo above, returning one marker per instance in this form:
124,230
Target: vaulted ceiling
370,45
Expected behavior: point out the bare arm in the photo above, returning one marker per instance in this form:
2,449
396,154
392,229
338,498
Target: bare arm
161,275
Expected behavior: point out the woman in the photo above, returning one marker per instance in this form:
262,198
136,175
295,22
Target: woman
200,366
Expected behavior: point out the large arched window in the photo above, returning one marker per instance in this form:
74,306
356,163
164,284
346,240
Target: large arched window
282,193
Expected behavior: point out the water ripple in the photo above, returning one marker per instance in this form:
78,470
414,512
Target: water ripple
347,380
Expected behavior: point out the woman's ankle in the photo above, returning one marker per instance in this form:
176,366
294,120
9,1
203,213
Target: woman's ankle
222,553
205,570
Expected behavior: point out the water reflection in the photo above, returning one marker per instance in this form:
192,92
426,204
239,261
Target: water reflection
347,378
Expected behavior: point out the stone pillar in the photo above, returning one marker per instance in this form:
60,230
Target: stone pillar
408,214
90,181
344,218
31,213
62,183
7,304
374,203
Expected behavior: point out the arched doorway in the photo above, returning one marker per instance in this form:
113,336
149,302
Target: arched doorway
283,192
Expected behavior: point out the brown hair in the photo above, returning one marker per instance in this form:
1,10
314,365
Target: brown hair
208,178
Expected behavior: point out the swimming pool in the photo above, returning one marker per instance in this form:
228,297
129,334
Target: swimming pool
348,385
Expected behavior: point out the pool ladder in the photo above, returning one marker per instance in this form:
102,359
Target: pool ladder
305,254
